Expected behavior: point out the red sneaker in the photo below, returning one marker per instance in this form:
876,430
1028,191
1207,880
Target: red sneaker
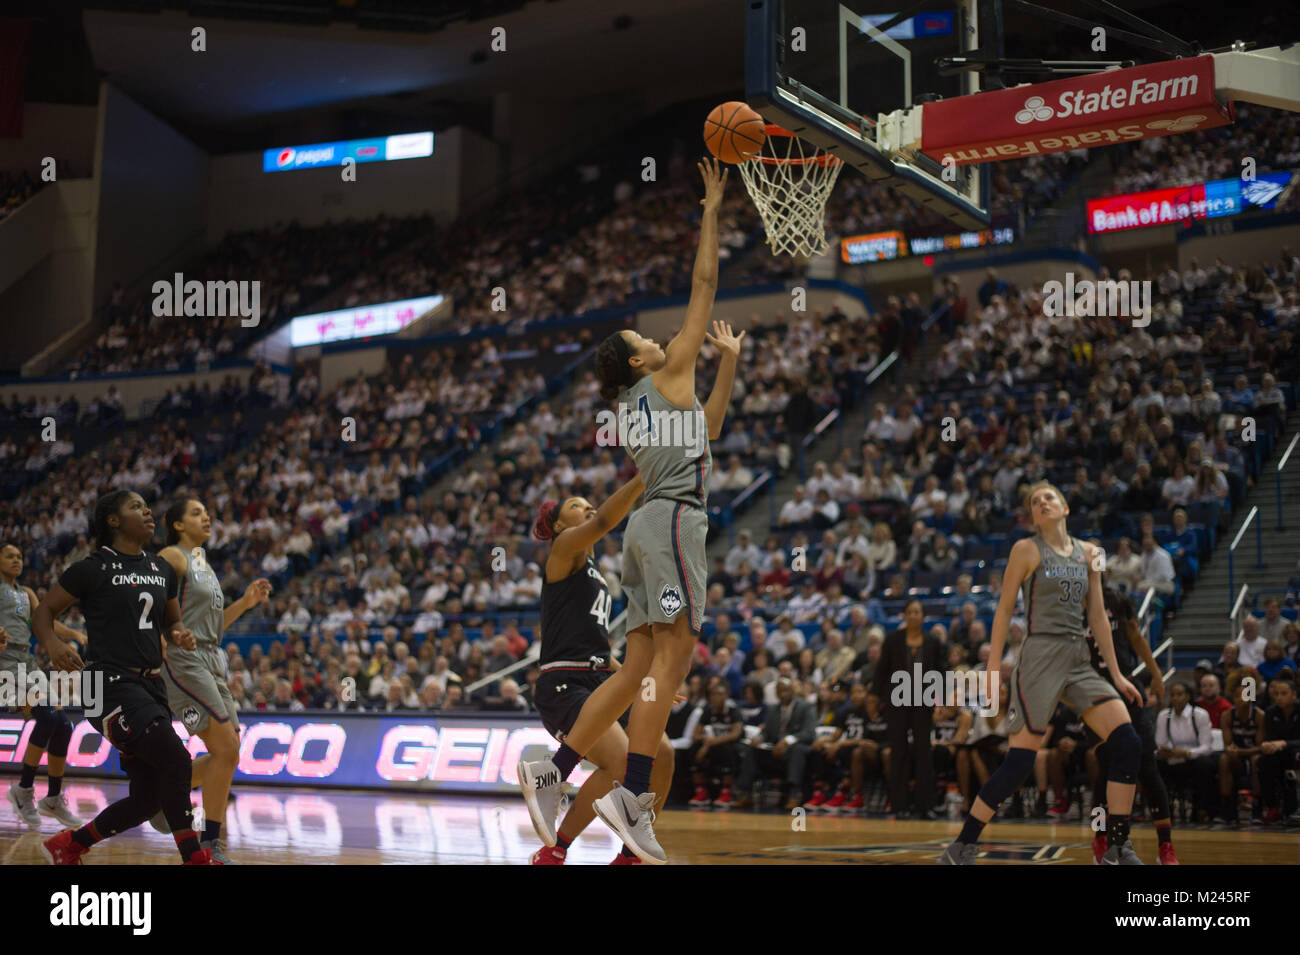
1273,816
835,802
202,857
818,799
621,859
548,855
701,797
1060,811
1167,854
856,804
1098,848
62,850
724,799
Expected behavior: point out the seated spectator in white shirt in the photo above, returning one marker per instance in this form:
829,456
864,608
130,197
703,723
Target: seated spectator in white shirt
734,479
821,480
529,590
1157,568
827,512
295,618
798,510
807,603
275,560
1250,643
1183,747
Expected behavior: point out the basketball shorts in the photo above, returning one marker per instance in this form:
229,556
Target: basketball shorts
1052,670
560,695
13,662
664,565
131,704
197,691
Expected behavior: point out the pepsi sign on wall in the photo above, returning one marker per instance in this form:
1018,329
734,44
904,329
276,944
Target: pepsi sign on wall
405,146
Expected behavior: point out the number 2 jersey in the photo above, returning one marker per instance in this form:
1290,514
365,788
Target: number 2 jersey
575,616
124,600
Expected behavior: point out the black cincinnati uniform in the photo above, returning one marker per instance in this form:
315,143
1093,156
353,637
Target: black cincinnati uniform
124,600
877,729
1243,730
721,757
575,634
1119,611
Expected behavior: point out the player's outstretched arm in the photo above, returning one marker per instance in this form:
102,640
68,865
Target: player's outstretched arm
575,540
1023,560
715,409
1143,650
678,373
1099,623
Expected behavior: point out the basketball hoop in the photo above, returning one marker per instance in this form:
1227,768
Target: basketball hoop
790,182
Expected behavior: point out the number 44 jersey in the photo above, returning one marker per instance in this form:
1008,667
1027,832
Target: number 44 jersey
575,616
124,600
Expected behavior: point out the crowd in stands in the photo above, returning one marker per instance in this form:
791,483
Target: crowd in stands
1268,139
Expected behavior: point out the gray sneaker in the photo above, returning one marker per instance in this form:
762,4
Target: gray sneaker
24,803
1121,854
218,849
57,807
542,789
632,818
959,853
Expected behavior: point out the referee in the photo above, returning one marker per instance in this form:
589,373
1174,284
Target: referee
128,598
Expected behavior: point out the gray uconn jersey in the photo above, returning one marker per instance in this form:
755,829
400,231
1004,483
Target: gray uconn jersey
670,445
1056,594
202,602
16,618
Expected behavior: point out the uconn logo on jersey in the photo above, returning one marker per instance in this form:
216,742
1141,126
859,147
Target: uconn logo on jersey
639,426
1070,570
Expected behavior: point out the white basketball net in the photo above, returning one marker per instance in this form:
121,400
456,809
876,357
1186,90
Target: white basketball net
790,183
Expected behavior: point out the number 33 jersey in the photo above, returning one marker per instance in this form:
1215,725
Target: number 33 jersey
1056,593
575,616
124,600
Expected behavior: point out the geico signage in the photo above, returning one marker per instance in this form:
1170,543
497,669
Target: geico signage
1141,102
343,750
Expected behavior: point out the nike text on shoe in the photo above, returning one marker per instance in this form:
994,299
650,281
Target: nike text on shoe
56,807
1121,854
959,853
24,803
631,818
540,783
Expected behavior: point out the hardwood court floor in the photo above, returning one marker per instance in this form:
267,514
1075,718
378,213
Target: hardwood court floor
320,826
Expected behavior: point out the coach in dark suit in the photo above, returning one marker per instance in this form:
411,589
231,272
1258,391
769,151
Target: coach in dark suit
786,740
903,651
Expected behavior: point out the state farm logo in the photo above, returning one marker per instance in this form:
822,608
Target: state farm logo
1035,111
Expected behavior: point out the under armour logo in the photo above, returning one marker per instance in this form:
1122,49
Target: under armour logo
117,566
1180,125
1035,111
561,688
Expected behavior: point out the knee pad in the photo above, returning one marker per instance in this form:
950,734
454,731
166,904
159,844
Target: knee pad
1124,747
52,731
1008,777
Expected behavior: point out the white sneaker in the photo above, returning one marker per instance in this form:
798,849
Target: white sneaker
24,803
631,818
542,789
57,808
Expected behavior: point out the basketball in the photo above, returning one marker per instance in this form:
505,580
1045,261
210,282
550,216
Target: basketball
734,132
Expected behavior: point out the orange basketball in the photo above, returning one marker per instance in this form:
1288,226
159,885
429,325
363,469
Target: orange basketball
734,132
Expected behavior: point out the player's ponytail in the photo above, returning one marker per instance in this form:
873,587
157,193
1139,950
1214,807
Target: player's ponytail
105,508
612,368
544,526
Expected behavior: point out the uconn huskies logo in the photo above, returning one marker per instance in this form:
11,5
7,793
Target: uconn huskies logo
670,601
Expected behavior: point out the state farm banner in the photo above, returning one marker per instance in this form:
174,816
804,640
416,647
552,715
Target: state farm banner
1141,102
